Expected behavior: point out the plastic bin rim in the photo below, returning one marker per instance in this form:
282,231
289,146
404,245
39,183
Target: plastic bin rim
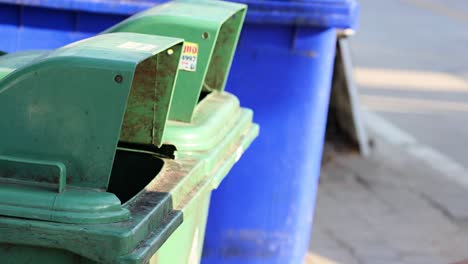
317,13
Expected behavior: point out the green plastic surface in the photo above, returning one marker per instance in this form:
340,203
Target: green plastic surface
87,174
168,214
63,113
213,26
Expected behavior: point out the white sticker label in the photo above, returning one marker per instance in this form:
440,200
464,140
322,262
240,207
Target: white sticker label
188,61
137,46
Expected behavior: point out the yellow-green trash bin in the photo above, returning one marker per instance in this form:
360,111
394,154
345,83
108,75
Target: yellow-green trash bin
92,171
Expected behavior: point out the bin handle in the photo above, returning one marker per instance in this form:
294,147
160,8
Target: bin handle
62,175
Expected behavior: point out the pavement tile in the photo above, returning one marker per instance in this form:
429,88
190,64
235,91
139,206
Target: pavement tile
425,259
389,208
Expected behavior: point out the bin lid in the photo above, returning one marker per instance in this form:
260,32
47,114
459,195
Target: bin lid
211,30
65,112
317,13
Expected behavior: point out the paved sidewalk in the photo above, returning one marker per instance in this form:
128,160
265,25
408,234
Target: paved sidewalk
389,208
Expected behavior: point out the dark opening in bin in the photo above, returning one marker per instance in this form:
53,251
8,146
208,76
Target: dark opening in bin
203,95
132,172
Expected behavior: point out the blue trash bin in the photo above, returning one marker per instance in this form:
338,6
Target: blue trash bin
283,69
263,212
50,24
47,24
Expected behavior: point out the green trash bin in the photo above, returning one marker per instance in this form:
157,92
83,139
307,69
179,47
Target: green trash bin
92,171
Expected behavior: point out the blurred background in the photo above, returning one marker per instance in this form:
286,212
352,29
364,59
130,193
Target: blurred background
406,202
411,63
393,185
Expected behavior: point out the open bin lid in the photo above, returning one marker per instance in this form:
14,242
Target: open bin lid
63,114
211,30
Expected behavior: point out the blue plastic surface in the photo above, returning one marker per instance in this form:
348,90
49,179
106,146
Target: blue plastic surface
323,13
263,211
122,7
33,24
318,13
26,27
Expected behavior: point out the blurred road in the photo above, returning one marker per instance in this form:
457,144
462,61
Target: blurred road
411,59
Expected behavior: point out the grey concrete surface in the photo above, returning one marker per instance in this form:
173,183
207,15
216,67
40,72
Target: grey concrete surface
411,60
388,208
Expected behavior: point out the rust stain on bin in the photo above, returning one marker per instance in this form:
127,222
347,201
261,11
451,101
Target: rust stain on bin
138,120
149,99
217,70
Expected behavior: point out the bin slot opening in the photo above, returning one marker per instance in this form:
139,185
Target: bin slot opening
132,172
223,53
203,95
166,151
